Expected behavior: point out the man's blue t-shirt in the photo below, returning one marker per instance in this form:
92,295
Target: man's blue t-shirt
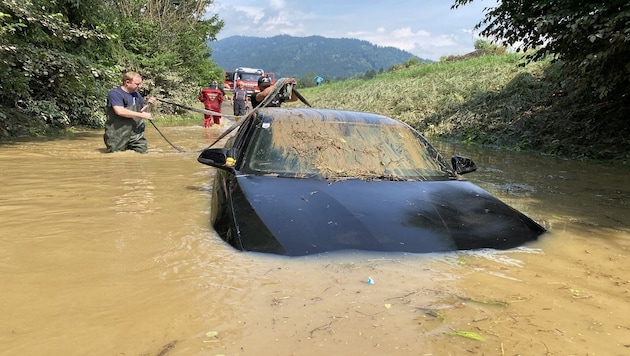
118,97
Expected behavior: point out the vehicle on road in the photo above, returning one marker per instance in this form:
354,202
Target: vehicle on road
228,81
248,77
300,181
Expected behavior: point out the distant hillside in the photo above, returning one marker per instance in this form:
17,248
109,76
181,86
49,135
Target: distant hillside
287,56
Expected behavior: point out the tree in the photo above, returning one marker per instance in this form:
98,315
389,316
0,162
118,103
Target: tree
369,74
58,58
165,35
48,64
590,36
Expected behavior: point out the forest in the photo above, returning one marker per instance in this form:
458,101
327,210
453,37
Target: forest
58,58
331,58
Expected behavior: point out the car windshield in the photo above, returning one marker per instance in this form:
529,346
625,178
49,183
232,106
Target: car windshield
332,149
249,77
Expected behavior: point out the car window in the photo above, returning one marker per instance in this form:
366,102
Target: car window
333,149
237,142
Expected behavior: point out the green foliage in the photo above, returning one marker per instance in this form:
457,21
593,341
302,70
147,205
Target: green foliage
484,45
159,37
39,76
369,74
467,334
408,64
498,100
592,37
58,58
307,80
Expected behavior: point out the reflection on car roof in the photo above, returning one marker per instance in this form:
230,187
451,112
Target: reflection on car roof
327,115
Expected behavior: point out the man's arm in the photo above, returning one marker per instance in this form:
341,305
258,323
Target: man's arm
130,114
263,94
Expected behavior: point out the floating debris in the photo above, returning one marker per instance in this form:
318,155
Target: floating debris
467,334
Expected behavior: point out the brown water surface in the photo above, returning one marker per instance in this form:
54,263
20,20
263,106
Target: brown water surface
112,254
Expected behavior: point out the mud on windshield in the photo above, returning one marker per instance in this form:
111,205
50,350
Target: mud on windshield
303,147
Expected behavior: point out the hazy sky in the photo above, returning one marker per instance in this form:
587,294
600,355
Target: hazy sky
427,28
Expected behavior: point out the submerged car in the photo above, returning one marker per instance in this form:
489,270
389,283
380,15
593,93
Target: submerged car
299,181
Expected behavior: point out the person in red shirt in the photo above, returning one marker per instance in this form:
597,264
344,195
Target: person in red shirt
212,97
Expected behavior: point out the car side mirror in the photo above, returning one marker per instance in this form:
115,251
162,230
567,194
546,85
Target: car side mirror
215,157
463,165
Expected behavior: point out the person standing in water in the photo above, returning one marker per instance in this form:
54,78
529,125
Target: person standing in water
240,100
212,97
126,112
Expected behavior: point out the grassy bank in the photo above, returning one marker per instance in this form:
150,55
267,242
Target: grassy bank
493,100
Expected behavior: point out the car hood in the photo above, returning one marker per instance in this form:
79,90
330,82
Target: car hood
309,216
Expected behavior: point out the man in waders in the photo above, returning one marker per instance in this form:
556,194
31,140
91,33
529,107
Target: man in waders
126,112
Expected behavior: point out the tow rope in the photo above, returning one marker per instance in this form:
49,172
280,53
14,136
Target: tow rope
166,139
275,90
280,87
201,111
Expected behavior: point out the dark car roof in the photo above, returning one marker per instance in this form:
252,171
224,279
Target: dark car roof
327,115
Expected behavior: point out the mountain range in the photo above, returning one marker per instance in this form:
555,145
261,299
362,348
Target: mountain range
288,56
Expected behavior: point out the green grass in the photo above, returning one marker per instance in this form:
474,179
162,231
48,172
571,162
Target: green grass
497,100
178,120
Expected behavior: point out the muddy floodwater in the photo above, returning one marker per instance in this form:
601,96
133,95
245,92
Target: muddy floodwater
113,254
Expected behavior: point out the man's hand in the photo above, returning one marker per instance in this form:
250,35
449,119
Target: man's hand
148,106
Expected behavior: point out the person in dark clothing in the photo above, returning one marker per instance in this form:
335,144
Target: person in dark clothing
264,84
240,100
126,112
